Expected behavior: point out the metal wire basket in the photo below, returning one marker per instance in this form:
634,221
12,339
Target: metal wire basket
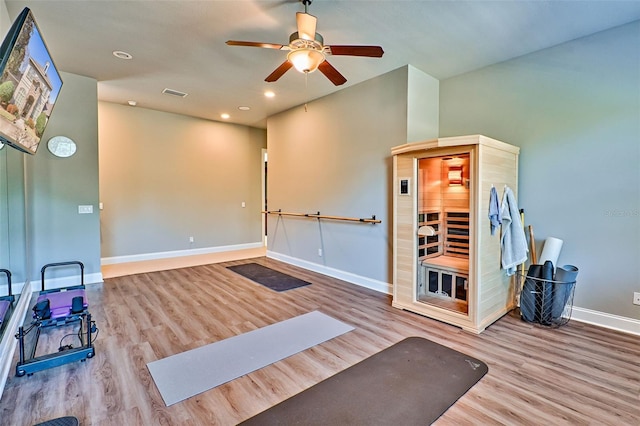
546,302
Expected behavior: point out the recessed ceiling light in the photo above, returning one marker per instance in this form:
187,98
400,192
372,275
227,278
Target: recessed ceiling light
121,54
269,94
225,116
244,108
132,103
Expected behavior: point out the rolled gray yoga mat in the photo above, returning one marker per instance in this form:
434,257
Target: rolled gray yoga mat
536,299
563,287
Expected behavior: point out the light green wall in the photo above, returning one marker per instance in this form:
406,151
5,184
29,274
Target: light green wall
575,112
12,213
166,177
423,93
5,21
57,186
335,158
13,246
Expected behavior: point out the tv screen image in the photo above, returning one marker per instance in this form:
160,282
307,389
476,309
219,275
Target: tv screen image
29,85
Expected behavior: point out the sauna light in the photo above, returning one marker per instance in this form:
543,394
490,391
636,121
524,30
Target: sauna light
455,175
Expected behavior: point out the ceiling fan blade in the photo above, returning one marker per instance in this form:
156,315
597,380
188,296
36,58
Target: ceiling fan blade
331,73
256,44
278,72
306,26
370,51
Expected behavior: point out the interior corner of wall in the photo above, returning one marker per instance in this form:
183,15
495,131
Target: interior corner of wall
423,106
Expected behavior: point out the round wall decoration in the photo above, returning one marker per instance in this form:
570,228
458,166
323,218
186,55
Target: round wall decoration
61,146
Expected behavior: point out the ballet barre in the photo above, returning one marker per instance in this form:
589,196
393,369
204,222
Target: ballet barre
317,215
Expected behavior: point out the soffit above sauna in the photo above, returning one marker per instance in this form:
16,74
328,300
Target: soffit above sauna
453,142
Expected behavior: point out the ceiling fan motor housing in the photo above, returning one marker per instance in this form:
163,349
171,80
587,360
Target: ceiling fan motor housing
295,42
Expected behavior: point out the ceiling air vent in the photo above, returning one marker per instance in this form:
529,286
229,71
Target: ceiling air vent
174,93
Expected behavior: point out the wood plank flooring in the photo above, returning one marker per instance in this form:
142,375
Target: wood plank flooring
577,374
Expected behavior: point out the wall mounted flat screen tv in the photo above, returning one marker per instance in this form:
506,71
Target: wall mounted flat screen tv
29,85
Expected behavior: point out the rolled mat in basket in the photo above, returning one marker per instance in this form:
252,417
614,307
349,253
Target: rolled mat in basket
529,294
536,299
545,301
563,287
551,250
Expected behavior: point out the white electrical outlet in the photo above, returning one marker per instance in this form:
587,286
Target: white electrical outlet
320,252
636,297
190,239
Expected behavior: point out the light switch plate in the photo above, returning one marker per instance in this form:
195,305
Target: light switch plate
85,209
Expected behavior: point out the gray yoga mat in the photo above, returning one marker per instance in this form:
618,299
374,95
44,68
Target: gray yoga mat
410,383
563,288
189,373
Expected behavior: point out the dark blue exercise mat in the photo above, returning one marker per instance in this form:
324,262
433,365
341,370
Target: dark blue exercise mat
529,295
565,280
410,383
268,277
537,294
545,305
61,421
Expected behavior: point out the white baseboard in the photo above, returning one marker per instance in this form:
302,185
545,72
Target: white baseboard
69,281
16,288
335,273
177,253
603,319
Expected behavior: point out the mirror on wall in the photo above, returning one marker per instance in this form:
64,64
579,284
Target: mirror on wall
13,237
443,231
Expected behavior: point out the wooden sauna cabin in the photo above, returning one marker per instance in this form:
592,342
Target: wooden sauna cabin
446,263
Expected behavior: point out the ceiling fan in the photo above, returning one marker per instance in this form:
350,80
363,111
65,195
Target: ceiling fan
307,51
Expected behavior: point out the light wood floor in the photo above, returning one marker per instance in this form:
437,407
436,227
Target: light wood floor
576,374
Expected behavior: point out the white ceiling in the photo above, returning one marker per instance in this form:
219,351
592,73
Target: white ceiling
180,44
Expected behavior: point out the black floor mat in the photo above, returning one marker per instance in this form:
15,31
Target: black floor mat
410,383
268,277
61,421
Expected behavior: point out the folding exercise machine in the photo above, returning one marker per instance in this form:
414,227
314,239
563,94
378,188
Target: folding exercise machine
56,307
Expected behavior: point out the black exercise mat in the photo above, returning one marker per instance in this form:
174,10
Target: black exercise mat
61,421
410,383
268,277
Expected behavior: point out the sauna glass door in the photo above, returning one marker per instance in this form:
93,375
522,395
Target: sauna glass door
443,231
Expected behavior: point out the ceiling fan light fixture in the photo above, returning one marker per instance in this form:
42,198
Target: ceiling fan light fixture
307,51
306,60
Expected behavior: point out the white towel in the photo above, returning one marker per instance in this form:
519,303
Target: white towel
513,241
495,218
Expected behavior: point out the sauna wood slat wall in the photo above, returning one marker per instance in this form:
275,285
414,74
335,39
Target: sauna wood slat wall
496,290
404,237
